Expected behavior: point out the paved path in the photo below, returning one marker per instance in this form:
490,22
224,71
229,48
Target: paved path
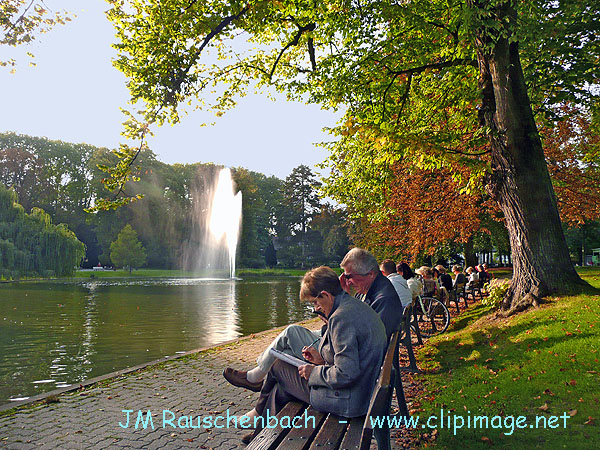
188,386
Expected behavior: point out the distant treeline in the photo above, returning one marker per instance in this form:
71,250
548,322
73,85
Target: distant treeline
284,222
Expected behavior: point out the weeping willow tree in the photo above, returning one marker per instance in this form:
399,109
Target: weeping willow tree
30,245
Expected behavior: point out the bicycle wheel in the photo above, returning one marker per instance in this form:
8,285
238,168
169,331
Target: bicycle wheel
434,317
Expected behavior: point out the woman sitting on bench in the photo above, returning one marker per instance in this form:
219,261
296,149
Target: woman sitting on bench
344,370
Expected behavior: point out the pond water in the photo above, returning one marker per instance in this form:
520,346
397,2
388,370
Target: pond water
54,334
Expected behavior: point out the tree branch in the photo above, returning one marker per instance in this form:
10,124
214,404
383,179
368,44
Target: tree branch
214,32
293,42
435,66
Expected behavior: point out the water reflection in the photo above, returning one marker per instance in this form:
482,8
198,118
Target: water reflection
56,334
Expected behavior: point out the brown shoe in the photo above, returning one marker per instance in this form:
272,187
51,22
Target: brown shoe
238,378
247,438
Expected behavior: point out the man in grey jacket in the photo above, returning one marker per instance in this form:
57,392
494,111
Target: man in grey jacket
342,373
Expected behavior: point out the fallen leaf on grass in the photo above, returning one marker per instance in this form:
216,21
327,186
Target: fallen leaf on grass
590,421
572,382
486,439
544,407
548,392
572,412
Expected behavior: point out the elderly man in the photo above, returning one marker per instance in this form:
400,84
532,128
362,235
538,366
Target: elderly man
362,278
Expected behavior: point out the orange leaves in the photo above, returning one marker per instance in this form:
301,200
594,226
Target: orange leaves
427,210
569,148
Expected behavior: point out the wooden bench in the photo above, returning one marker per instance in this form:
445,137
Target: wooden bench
410,320
458,292
472,289
335,432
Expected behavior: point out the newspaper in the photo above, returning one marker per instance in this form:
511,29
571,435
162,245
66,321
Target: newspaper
287,358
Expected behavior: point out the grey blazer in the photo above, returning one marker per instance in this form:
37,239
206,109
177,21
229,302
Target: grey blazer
353,348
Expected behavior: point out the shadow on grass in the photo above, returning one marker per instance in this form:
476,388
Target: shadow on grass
541,363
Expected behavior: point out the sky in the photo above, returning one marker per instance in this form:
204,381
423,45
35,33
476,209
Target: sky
73,94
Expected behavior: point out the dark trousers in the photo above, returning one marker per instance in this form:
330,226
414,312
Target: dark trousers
282,384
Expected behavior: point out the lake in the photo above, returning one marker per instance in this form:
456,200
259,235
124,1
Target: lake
54,334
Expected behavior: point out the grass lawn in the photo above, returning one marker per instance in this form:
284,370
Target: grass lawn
542,363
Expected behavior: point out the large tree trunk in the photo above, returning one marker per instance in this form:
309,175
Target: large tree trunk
520,182
469,253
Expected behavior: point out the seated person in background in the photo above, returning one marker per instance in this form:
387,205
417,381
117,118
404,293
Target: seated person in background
444,279
484,277
430,285
459,277
490,275
444,282
343,371
361,275
473,277
388,269
415,285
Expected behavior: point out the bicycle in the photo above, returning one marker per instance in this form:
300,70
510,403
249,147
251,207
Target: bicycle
432,315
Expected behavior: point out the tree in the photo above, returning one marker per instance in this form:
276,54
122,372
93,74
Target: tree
30,245
438,83
22,20
301,200
331,223
301,196
127,250
24,172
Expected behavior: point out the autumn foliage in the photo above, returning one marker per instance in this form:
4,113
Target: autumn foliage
426,207
572,150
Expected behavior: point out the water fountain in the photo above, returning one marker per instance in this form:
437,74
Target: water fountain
217,215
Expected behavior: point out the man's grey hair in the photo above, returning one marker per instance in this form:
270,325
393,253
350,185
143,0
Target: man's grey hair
360,261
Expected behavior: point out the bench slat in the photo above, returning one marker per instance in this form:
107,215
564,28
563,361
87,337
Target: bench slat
269,438
331,433
301,438
353,434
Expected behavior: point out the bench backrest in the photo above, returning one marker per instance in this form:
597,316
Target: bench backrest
459,288
382,394
429,287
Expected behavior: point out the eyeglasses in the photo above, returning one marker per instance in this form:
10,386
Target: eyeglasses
349,276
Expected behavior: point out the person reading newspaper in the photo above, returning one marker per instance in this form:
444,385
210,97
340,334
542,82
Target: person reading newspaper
340,375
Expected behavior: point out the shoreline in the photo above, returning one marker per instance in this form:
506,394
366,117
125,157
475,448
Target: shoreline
91,382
